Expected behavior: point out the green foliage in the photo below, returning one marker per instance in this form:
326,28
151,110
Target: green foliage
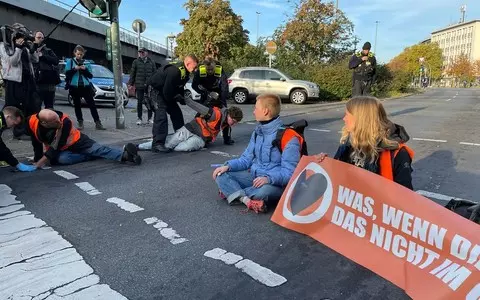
211,30
408,60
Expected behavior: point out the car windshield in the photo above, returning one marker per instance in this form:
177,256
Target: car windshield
101,72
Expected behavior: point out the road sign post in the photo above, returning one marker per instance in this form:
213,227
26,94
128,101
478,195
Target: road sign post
117,65
271,48
139,27
108,43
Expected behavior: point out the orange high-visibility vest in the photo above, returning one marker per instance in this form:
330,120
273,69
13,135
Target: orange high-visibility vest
73,137
210,129
386,165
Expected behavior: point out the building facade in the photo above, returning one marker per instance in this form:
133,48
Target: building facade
457,39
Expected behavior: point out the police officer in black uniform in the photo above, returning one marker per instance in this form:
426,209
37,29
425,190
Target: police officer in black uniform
167,88
210,77
364,66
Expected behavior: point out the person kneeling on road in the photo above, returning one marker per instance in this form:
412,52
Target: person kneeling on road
66,145
9,118
258,177
203,129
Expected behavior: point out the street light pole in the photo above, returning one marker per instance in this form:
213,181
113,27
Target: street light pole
117,65
376,32
258,22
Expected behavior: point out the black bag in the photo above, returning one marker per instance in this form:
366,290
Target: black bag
466,209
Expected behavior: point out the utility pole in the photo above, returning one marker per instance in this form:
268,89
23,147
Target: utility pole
258,22
117,64
376,32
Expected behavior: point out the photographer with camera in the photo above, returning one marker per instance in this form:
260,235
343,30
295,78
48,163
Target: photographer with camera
46,71
364,67
77,80
17,54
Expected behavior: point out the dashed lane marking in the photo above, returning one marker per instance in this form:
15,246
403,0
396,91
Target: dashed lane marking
125,205
224,154
88,188
66,175
469,144
320,130
168,233
254,270
429,140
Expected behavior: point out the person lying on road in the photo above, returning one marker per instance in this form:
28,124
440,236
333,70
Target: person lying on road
66,145
203,129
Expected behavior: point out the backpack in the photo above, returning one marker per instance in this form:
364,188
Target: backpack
289,131
466,209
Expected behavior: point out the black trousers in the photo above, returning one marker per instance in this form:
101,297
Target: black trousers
160,121
77,94
140,96
361,88
47,97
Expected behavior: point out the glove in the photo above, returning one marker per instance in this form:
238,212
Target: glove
26,168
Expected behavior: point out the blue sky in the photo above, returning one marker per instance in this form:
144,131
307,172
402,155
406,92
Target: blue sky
401,22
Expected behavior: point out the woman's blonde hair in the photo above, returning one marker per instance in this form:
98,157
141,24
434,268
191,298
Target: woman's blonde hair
371,127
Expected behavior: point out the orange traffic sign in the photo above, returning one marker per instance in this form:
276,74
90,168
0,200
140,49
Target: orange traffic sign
271,47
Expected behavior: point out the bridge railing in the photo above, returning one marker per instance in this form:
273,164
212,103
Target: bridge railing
126,35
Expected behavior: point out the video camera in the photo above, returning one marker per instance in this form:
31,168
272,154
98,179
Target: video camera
9,33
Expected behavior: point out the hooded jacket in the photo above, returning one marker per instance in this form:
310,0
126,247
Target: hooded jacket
402,169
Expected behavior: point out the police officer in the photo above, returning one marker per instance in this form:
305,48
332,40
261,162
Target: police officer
364,70
210,77
167,88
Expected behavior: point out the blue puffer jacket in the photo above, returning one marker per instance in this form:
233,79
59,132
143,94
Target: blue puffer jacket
264,159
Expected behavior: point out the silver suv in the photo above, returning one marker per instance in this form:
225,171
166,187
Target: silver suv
252,81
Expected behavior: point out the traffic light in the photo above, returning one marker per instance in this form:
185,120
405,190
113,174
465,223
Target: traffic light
96,8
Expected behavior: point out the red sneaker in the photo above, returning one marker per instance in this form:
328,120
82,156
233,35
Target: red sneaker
222,196
257,206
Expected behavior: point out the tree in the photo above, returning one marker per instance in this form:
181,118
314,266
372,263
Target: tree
408,60
317,32
246,56
212,29
462,68
477,67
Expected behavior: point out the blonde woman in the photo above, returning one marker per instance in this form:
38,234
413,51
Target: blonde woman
374,143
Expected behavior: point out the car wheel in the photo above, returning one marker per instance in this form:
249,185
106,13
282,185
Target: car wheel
298,96
240,96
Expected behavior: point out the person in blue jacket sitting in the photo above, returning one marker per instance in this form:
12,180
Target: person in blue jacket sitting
258,177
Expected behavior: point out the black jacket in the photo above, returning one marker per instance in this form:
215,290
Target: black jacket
141,71
47,135
170,81
46,71
211,83
5,153
363,70
402,169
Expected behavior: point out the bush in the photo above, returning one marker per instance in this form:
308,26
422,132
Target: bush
401,81
334,80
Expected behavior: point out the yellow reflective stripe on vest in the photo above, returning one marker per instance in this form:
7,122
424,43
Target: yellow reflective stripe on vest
183,73
203,71
218,71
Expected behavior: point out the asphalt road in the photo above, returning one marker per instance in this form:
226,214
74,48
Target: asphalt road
132,257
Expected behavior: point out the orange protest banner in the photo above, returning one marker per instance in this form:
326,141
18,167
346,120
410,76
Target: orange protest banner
420,246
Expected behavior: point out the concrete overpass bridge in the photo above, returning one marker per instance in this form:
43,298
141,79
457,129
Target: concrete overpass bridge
77,28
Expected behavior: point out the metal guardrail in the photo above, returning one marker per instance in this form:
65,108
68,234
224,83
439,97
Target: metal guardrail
127,36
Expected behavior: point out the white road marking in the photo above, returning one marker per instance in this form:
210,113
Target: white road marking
251,123
125,205
429,140
66,175
437,195
448,100
455,96
224,154
320,130
469,144
37,263
254,270
88,188
168,233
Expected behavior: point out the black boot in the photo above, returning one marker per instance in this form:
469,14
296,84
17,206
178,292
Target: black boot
160,148
130,153
228,141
